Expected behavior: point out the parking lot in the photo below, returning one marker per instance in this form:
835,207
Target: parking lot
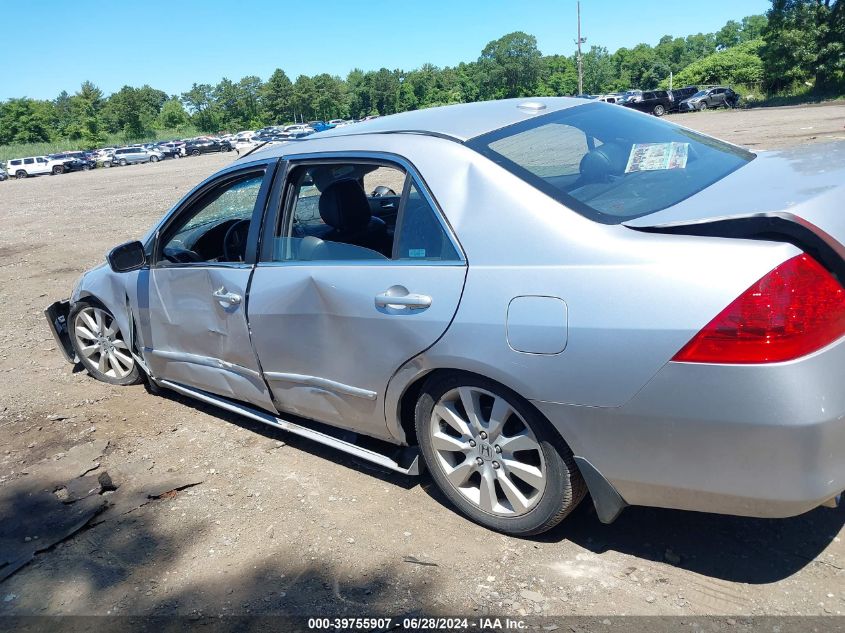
210,514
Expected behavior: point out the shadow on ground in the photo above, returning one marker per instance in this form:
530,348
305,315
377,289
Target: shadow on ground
738,549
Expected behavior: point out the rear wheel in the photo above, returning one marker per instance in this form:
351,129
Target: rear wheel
196,152
58,169
659,110
122,162
153,159
100,345
494,456
20,174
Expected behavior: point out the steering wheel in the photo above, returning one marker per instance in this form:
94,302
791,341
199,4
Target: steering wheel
179,255
382,191
234,242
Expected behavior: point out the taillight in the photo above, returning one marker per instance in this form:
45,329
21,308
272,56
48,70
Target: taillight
796,309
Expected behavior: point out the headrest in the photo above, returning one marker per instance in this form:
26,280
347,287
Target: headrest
344,206
604,161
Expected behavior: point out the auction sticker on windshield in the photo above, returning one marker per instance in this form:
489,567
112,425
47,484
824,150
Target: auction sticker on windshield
654,156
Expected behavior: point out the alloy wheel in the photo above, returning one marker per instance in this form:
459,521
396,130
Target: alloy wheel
99,340
487,451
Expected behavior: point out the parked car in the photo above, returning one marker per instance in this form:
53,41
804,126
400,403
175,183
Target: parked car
656,102
298,130
36,166
320,126
719,97
170,150
595,321
3,175
681,94
132,155
75,161
631,95
205,146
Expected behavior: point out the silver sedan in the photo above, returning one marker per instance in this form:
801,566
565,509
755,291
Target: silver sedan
531,300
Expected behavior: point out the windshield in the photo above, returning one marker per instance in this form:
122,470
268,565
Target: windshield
700,93
608,163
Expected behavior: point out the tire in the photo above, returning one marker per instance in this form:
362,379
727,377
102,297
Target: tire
107,163
99,345
20,174
659,110
702,107
456,451
196,152
122,162
153,159
58,169
86,167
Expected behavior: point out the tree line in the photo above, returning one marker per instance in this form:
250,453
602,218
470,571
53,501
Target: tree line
797,47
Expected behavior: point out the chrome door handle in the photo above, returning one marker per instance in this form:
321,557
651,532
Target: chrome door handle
412,301
229,298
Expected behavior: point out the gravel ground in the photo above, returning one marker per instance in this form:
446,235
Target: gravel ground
249,520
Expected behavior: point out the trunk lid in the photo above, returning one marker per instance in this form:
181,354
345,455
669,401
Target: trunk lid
802,186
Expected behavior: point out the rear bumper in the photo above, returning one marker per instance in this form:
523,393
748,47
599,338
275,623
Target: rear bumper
57,320
765,440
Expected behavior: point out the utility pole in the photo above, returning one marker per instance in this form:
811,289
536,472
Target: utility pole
580,41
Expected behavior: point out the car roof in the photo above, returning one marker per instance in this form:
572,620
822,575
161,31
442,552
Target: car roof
460,122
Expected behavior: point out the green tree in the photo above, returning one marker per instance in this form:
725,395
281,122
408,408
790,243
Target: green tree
510,66
805,43
24,121
86,105
737,65
200,101
276,98
172,116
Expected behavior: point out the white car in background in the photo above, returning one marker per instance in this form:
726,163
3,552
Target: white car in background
35,166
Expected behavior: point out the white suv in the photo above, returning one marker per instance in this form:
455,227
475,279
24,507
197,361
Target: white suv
35,166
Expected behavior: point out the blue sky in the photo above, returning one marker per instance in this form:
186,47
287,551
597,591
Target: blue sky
171,44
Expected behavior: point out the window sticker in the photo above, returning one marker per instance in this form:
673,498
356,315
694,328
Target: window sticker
657,156
416,252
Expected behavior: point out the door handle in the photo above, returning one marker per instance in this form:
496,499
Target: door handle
407,300
229,298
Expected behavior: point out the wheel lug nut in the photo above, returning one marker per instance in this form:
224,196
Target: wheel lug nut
479,461
472,443
496,465
483,435
497,448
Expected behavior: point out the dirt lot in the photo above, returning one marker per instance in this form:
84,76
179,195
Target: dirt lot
215,515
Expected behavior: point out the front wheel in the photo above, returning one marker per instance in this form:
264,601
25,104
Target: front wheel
659,110
153,159
122,162
702,107
20,174
100,346
58,169
196,152
494,456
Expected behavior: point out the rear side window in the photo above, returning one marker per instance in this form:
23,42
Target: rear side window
15,162
28,161
610,164
422,237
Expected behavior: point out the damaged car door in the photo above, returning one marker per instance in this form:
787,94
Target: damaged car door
197,333
358,274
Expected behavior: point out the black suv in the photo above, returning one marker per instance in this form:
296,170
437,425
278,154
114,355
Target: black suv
718,97
75,161
656,102
206,146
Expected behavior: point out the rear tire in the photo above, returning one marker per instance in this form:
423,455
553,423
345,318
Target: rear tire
523,490
58,169
659,110
122,162
196,152
20,174
100,346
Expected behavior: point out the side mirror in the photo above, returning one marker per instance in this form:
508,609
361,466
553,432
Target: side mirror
127,257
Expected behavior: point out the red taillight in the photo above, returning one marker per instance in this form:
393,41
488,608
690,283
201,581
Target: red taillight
796,309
